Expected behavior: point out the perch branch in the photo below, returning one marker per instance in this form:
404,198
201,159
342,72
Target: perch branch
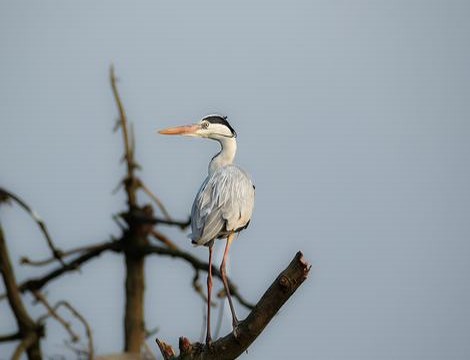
231,346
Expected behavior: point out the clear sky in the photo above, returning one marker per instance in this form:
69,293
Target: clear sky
353,120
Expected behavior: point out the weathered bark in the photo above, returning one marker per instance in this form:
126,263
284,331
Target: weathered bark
231,346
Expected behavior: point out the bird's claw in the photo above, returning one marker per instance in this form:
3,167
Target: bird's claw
236,329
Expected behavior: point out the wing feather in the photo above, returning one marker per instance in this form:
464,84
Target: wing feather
224,203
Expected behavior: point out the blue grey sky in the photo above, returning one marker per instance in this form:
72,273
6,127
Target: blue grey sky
353,120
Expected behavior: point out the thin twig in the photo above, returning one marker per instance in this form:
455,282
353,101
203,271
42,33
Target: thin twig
42,225
197,265
151,332
163,238
156,220
130,182
65,254
199,290
51,312
123,120
85,323
118,220
39,282
79,352
154,197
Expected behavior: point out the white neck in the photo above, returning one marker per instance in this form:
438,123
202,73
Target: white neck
225,156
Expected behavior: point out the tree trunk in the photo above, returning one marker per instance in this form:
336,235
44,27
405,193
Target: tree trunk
134,316
134,324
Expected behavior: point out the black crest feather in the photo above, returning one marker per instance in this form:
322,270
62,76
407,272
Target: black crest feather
219,119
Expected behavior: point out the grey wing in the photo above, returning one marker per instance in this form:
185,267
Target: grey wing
224,203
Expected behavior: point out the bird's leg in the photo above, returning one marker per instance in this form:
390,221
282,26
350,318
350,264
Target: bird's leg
209,289
224,279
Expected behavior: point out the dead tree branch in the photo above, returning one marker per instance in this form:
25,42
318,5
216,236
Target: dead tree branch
197,266
231,346
38,283
25,345
65,254
10,337
164,239
133,238
29,331
181,224
155,198
130,182
42,225
52,312
144,219
85,323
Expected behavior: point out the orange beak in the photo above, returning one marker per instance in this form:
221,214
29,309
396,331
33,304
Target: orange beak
181,130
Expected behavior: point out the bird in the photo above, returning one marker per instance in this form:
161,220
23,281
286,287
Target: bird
224,204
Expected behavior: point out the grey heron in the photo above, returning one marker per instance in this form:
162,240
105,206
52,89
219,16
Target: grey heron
224,204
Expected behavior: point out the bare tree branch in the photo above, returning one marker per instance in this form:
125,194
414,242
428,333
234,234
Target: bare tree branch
232,345
65,254
199,289
163,238
156,220
130,182
42,225
10,337
151,332
29,331
85,323
197,265
52,312
155,198
24,345
144,219
39,282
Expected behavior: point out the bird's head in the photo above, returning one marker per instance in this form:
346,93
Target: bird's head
211,126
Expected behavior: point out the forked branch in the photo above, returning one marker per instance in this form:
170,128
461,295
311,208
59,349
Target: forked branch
4,194
231,346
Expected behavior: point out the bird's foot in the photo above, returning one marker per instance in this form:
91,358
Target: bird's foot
236,330
208,341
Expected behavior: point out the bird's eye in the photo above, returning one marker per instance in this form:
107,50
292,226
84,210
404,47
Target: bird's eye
205,124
